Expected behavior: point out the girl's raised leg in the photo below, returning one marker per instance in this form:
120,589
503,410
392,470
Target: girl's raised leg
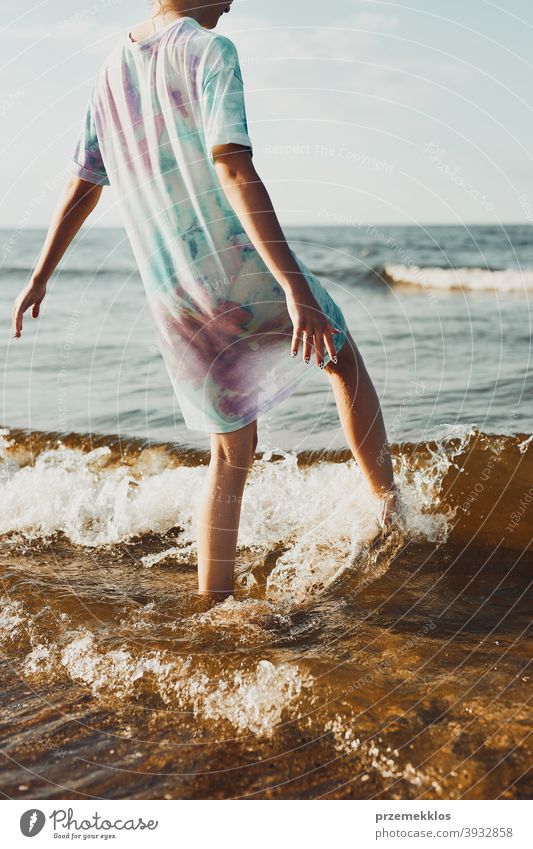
362,422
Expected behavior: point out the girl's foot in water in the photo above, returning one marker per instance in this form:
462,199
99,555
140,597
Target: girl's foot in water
387,516
389,510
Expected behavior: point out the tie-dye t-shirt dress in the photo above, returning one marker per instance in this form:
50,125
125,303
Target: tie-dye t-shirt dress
157,109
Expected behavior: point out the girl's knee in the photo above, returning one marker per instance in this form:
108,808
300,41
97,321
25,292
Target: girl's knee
236,449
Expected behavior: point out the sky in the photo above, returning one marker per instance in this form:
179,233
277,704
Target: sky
360,111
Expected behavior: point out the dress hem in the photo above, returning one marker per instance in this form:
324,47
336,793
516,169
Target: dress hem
245,422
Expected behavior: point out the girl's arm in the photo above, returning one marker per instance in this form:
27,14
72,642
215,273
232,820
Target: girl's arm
76,204
252,204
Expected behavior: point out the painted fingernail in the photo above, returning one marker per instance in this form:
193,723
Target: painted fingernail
321,365
307,361
335,360
293,354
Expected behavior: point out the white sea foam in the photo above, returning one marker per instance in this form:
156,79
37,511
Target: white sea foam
12,619
320,515
68,490
150,560
375,755
252,699
245,621
476,279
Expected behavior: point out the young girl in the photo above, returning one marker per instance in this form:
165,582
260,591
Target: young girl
233,305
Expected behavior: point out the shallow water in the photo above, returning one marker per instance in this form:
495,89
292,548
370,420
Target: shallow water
336,671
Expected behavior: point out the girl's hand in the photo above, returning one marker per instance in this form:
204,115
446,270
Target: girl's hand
311,326
31,296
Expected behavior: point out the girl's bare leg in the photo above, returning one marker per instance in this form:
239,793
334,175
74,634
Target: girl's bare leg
219,514
362,422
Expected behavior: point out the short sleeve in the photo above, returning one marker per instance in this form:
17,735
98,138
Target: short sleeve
223,102
87,160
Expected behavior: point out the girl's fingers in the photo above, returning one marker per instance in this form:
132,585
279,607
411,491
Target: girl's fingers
20,306
295,344
14,319
308,347
330,345
319,349
320,341
17,323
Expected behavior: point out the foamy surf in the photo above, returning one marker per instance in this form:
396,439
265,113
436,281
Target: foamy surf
318,516
375,756
336,669
253,697
474,279
95,502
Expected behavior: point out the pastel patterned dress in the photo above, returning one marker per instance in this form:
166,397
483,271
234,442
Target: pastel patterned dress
157,109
